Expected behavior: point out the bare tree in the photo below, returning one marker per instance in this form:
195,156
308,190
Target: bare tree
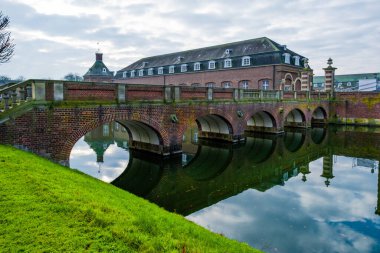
6,43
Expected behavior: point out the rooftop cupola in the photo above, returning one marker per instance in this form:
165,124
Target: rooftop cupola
98,56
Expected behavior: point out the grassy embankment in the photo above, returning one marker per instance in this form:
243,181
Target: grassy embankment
45,207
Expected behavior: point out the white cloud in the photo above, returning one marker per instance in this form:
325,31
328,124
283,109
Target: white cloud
347,31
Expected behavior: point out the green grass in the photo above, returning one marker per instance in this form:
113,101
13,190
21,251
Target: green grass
45,207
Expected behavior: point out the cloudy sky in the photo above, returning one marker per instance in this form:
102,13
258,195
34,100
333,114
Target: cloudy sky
56,37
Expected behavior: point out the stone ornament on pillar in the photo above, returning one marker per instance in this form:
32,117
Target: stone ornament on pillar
329,76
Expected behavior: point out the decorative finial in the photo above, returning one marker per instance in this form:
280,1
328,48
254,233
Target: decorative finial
329,62
97,43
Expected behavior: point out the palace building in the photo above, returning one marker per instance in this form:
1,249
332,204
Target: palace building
251,64
98,71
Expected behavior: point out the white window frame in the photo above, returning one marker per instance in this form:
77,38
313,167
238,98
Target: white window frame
210,85
141,72
211,64
104,70
287,58
197,66
133,73
124,74
171,69
246,61
265,84
244,84
184,68
160,70
150,71
227,84
228,63
296,60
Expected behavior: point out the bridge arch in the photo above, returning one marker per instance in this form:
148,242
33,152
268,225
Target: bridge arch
262,121
319,116
295,118
213,126
294,140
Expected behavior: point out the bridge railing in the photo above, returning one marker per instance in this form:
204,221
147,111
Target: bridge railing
59,90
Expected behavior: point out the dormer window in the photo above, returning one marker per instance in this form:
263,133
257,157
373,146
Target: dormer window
133,73
171,69
211,65
197,66
179,58
246,61
227,63
296,60
150,71
141,72
287,58
183,67
104,70
144,64
125,74
228,51
160,70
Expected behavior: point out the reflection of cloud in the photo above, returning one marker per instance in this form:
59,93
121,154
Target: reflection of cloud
303,217
83,158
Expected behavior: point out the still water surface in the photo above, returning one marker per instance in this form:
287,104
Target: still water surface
308,191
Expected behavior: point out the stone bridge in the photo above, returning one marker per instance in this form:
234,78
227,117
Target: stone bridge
48,117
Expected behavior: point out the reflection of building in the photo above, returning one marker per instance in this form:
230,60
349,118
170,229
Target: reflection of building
304,169
368,163
327,169
350,82
251,64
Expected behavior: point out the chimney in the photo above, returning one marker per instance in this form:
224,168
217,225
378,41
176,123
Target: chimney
99,56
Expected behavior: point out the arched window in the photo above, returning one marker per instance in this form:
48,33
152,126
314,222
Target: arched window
226,84
244,84
210,85
104,70
265,84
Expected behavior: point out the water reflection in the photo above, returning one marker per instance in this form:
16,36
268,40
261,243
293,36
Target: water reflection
304,191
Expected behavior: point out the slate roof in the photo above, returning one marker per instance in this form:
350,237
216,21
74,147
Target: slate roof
97,70
239,49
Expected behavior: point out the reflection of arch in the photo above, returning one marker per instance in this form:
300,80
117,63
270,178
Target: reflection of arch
214,126
262,148
295,118
208,163
319,116
318,134
142,136
294,140
140,176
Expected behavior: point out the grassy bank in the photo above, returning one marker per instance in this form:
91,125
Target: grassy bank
47,207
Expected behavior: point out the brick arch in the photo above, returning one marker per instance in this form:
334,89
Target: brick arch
297,84
295,117
73,137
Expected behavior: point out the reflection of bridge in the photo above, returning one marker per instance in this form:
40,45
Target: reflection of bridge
156,117
217,172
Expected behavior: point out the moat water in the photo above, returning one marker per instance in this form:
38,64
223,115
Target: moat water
303,191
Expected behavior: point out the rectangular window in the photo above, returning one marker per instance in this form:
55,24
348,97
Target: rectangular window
211,65
160,70
197,66
125,74
227,63
132,73
246,61
150,71
226,84
183,67
244,84
171,69
141,72
265,85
